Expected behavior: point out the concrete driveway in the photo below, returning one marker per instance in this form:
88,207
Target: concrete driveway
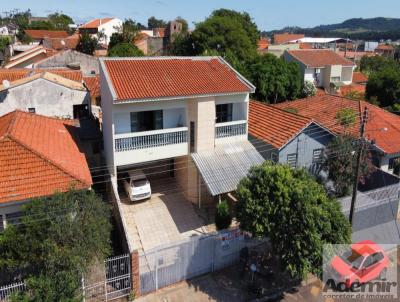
166,218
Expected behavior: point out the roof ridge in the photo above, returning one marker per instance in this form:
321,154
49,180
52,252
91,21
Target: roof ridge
42,156
288,112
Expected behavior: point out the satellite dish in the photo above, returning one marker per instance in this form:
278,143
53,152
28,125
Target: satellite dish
6,83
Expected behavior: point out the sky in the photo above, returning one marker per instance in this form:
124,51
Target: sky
267,14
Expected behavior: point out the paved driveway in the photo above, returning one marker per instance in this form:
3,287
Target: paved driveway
166,218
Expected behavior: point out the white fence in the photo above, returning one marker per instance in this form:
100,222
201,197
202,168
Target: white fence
8,290
167,265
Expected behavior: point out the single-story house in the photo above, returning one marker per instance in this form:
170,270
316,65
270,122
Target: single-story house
285,137
382,128
45,93
38,157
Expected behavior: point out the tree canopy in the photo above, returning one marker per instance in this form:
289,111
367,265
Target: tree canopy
290,208
125,50
340,163
57,240
384,86
153,22
275,79
87,44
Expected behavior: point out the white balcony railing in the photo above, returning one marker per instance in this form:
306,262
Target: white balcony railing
150,139
230,129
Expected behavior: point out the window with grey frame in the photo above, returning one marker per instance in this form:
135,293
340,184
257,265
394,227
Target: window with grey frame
274,156
14,218
317,156
146,120
292,160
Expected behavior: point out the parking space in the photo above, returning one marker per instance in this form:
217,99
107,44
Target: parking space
165,218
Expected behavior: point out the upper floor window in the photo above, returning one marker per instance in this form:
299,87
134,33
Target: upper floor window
146,120
292,160
224,113
31,110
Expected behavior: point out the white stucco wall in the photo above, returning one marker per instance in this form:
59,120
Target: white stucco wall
109,28
347,75
48,98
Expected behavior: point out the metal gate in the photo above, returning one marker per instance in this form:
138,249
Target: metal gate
117,281
196,256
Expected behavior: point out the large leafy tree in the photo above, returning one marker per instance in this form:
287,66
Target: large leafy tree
153,22
370,64
57,240
384,86
60,21
125,50
127,34
275,79
290,208
340,163
87,44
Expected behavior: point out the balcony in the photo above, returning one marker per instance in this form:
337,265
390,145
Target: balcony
226,132
131,148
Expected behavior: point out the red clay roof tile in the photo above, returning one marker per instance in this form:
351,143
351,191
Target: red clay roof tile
319,57
41,34
96,23
17,74
172,77
285,38
93,85
39,156
383,127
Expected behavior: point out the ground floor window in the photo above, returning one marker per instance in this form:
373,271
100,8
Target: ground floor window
14,218
292,160
317,156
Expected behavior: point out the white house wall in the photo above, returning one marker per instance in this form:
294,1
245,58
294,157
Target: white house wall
109,28
48,98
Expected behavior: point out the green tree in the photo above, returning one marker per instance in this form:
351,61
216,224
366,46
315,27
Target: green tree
153,22
60,21
290,208
340,163
125,50
275,79
185,25
127,33
346,117
384,86
369,65
58,239
87,44
223,217
309,89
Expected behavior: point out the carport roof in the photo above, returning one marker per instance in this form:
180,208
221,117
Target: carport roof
224,167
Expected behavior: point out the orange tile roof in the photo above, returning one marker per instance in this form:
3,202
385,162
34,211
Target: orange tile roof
41,34
63,43
18,73
96,23
39,156
285,38
93,85
159,32
359,77
275,126
385,47
262,44
344,90
305,46
319,57
323,110
152,78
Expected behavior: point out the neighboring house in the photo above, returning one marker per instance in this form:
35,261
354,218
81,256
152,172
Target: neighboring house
29,57
358,86
322,66
188,113
39,156
104,27
382,129
89,65
284,38
62,43
385,50
38,35
279,50
12,75
262,45
47,94
287,138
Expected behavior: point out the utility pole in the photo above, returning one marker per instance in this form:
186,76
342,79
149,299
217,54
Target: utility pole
359,158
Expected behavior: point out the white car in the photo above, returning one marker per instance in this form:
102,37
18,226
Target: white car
137,185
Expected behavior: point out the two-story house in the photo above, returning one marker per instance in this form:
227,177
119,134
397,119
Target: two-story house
322,66
102,28
188,113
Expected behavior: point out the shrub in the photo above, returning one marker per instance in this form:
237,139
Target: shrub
309,89
223,217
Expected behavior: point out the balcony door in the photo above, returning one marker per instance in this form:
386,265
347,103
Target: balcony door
146,121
